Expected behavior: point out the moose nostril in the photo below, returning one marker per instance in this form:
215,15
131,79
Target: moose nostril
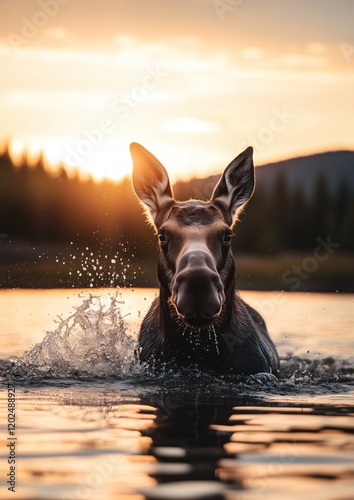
197,307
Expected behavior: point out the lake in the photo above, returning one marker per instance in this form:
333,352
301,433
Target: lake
92,424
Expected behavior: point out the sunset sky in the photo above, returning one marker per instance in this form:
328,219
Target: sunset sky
194,81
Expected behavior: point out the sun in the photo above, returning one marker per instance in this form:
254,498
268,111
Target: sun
104,164
109,161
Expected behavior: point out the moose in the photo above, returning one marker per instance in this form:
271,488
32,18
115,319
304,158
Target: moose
198,319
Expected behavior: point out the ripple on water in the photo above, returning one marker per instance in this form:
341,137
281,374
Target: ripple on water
93,343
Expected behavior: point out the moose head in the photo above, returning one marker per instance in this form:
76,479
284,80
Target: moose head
196,265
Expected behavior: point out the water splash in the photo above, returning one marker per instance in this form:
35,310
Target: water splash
85,267
303,370
92,342
216,341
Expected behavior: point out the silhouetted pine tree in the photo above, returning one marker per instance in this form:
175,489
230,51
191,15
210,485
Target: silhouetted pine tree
346,236
251,230
321,207
279,230
299,237
339,214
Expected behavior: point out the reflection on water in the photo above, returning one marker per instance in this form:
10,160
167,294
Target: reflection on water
112,432
92,441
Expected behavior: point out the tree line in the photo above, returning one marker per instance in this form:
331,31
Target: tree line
37,205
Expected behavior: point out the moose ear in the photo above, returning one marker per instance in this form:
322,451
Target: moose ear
236,185
150,181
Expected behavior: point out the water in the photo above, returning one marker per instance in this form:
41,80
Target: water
93,424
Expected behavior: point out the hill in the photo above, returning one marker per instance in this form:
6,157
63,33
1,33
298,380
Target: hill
335,167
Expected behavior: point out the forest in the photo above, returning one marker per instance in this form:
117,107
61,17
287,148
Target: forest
67,218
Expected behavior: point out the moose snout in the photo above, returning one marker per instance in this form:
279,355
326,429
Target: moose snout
197,291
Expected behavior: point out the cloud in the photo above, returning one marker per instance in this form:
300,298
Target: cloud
305,61
55,33
252,53
223,79
54,100
191,125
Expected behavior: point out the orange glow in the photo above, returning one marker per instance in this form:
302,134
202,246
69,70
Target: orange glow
195,101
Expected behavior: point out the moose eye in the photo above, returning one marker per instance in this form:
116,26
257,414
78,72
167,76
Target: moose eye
162,236
227,236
